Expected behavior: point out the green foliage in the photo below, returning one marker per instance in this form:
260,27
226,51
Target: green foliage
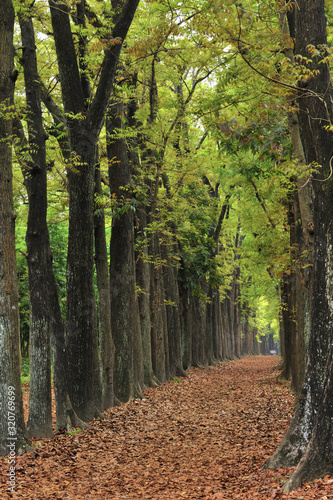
211,87
25,368
20,205
23,304
197,247
75,431
266,318
58,230
176,379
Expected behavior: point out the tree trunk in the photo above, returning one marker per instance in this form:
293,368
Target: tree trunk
231,318
124,307
38,247
198,311
173,325
81,327
301,237
237,315
313,411
318,458
66,417
256,347
81,331
143,283
288,327
13,437
104,306
159,337
210,326
186,319
246,335
217,327
83,127
291,330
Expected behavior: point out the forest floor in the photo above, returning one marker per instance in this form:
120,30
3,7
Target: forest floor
201,437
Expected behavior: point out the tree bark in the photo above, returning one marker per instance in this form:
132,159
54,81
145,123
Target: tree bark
173,325
315,111
124,307
11,406
104,306
38,246
186,318
143,283
159,336
318,458
83,127
65,415
301,241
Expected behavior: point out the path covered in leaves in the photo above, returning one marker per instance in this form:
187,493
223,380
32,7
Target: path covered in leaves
203,437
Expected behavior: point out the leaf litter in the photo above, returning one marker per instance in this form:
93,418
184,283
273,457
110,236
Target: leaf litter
206,436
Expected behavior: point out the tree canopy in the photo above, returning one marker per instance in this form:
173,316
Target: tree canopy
163,178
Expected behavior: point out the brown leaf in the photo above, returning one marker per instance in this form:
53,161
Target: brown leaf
205,438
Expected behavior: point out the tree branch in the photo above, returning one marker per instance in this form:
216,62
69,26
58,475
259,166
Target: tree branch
67,61
262,203
217,231
97,110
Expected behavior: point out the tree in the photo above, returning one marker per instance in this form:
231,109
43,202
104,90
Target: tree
83,127
107,348
309,438
179,144
38,245
128,367
46,324
13,435
297,316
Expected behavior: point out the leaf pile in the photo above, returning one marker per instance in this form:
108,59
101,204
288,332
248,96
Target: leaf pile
202,437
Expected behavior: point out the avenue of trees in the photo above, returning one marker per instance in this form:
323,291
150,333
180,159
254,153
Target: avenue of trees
165,202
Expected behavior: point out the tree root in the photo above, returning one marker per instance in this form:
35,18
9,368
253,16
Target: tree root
310,467
73,420
293,445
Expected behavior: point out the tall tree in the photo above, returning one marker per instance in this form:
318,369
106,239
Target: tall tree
83,126
11,406
176,74
310,435
298,314
46,324
38,244
124,303
107,349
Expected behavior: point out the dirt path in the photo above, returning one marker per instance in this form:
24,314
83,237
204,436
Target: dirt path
204,437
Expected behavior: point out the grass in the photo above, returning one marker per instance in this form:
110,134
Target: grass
25,371
76,431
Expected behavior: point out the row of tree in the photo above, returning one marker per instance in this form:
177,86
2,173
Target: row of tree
220,223
164,298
